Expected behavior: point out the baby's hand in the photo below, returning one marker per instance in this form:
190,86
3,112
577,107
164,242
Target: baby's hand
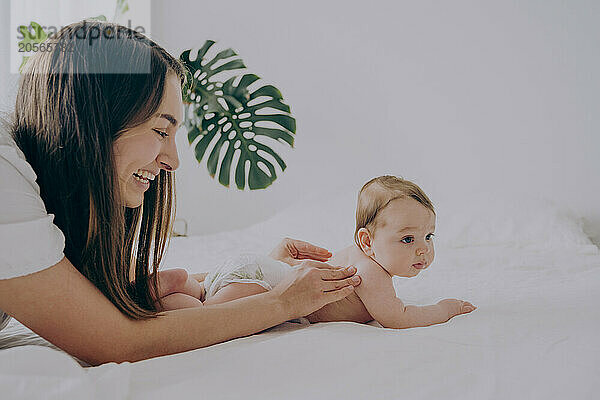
454,307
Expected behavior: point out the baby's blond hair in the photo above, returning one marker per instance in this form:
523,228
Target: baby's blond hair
376,194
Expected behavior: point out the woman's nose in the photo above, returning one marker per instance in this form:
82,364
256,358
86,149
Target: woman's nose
166,166
168,158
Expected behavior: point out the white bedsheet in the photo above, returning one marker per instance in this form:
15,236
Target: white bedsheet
533,336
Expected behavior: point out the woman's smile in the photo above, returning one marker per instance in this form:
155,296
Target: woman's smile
141,183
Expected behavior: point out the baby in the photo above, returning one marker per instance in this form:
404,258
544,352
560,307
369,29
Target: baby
395,222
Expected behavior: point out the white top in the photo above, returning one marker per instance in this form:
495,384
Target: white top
29,240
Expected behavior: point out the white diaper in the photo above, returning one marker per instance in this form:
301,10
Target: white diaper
246,268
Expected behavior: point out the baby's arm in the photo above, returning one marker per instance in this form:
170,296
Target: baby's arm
377,293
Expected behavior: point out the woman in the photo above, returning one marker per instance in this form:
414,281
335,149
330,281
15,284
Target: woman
82,235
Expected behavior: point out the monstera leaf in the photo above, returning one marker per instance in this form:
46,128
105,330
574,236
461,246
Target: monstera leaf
219,113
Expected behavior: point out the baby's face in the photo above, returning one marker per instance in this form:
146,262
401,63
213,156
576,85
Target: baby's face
404,237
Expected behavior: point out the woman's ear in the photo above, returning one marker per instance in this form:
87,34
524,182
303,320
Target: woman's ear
364,239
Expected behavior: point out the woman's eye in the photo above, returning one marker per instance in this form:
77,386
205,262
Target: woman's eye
407,238
161,133
431,235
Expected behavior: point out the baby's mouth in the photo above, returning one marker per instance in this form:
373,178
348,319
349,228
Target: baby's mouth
420,266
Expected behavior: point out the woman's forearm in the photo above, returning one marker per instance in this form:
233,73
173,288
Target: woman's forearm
71,313
191,328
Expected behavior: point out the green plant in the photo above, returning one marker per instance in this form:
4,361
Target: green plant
39,36
230,114
33,39
226,112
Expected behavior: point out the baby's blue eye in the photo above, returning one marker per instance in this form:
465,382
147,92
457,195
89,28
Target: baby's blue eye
411,239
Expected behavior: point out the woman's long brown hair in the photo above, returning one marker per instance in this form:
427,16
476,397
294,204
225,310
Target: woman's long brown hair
73,102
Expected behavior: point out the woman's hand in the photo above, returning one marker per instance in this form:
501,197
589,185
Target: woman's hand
312,285
292,252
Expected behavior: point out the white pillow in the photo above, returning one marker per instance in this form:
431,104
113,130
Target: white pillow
518,220
483,219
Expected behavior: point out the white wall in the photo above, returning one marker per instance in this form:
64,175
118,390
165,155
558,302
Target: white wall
457,96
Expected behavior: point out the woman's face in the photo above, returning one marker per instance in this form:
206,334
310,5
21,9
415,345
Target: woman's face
141,152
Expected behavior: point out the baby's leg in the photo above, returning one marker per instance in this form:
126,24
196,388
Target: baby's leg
177,280
235,291
176,301
192,288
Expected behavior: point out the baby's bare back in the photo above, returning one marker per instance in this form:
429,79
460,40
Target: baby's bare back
350,308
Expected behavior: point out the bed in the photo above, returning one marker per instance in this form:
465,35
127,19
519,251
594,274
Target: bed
523,261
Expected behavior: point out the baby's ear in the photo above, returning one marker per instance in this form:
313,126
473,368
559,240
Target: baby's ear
364,239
